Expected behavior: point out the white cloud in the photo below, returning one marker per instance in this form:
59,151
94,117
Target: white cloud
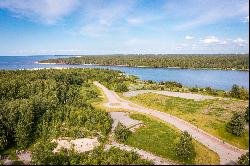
240,42
223,42
189,37
180,46
135,21
100,16
210,40
246,19
194,13
45,11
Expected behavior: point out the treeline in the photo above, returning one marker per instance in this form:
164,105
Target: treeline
235,92
37,106
240,62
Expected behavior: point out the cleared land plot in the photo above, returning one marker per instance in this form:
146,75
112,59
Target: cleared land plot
209,115
160,139
196,97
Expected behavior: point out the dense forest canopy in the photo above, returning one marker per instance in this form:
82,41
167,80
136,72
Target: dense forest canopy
38,106
240,62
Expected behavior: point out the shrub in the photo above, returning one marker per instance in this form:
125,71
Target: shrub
121,132
194,89
247,114
236,124
244,159
120,87
240,93
185,149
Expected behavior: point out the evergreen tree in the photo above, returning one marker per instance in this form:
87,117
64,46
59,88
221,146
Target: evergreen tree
247,114
236,124
244,159
121,132
185,149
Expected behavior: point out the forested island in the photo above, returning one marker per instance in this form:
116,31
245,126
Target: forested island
225,62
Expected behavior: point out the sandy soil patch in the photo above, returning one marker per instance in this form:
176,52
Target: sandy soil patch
24,156
79,145
196,97
143,154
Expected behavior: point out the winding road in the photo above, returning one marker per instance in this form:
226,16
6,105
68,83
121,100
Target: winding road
228,154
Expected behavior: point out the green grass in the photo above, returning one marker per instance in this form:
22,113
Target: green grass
160,138
209,115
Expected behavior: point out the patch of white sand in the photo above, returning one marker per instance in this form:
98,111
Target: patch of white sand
79,145
24,156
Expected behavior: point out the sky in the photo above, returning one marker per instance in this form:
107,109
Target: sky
75,27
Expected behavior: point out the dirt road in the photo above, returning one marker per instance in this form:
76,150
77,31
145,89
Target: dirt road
228,154
145,155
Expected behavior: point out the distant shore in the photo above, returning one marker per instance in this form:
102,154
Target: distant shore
144,66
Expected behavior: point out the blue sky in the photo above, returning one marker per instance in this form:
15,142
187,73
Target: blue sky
38,27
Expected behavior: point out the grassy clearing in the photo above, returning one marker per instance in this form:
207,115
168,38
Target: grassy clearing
160,139
209,115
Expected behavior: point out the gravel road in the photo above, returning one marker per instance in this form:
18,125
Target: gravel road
228,154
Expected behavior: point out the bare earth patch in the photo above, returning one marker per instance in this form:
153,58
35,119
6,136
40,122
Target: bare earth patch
124,118
24,156
79,145
196,97
143,154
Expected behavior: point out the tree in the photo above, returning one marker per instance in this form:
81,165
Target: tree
121,132
185,148
244,159
120,87
235,91
240,93
3,139
247,114
236,124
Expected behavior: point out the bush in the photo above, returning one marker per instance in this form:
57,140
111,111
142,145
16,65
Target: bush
185,149
236,124
211,91
240,93
244,159
247,114
3,139
194,89
120,87
121,133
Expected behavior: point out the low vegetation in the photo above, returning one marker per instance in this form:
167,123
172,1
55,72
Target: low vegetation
209,115
240,62
244,159
43,155
235,92
121,133
161,139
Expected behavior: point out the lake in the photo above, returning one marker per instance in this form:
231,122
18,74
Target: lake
218,79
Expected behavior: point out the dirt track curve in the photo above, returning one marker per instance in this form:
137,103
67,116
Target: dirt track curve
228,154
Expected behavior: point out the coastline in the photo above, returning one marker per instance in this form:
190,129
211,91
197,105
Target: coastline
246,70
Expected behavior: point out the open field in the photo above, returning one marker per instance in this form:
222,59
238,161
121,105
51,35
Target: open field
160,138
209,115
228,154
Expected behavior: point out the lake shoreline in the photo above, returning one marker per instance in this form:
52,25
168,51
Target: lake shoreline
246,70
